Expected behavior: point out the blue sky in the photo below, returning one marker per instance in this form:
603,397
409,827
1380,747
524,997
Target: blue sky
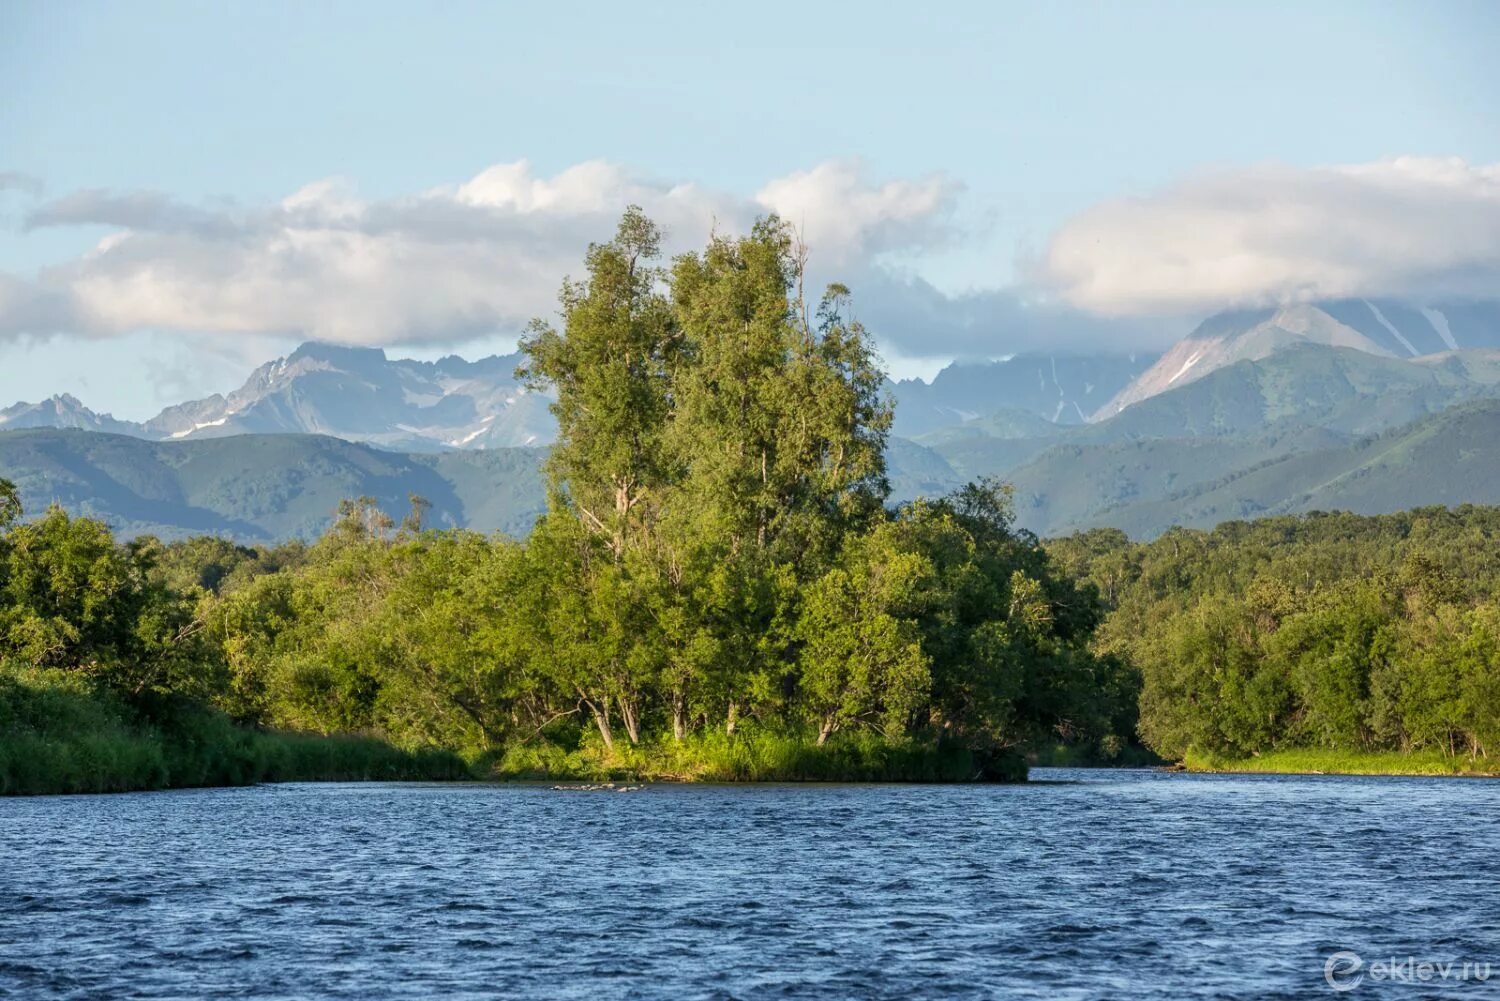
1028,117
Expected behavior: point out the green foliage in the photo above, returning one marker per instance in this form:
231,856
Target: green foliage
1332,631
612,367
861,650
717,546
70,596
756,754
59,735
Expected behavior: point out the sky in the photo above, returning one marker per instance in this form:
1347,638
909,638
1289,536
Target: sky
188,189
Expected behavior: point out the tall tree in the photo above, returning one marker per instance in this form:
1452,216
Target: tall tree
611,367
781,424
779,434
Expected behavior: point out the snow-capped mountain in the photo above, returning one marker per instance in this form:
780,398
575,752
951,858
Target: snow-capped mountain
1384,327
361,395
357,394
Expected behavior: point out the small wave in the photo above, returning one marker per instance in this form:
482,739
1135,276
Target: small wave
476,943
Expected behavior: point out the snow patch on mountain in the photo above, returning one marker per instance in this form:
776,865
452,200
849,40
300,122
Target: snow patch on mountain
1193,360
1380,318
1440,325
200,427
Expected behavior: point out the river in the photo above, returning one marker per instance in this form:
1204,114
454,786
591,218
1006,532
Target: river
1080,884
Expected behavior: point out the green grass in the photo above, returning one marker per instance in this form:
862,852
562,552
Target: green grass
753,755
1318,761
57,736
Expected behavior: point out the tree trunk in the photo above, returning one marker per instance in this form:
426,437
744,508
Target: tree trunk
732,718
679,716
600,712
826,729
632,726
601,719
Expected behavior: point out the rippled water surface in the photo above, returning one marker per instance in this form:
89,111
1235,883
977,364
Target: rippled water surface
1092,884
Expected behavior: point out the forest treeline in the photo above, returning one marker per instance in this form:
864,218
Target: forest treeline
718,566
1334,631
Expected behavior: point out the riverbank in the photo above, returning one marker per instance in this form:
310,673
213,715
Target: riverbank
141,758
753,755
57,736
1315,761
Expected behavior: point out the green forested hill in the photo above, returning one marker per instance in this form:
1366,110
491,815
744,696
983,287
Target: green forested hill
1302,386
1145,487
1080,486
1449,458
261,487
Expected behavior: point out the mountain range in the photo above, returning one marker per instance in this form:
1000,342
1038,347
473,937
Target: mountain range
1371,405
357,394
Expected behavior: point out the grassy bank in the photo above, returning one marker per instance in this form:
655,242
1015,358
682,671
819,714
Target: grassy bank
759,756
1315,761
57,736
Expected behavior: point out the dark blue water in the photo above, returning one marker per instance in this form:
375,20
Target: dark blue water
1107,884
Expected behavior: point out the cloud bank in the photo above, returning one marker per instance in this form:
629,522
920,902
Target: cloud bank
1424,228
483,256
437,267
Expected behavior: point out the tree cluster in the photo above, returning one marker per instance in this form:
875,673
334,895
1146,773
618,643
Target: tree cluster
717,553
1331,630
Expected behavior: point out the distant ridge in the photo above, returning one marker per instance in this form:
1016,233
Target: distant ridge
357,394
1384,327
1218,427
1059,389
263,488
61,411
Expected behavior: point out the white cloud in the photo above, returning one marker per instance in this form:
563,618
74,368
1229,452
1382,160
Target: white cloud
440,266
847,218
483,255
1425,228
